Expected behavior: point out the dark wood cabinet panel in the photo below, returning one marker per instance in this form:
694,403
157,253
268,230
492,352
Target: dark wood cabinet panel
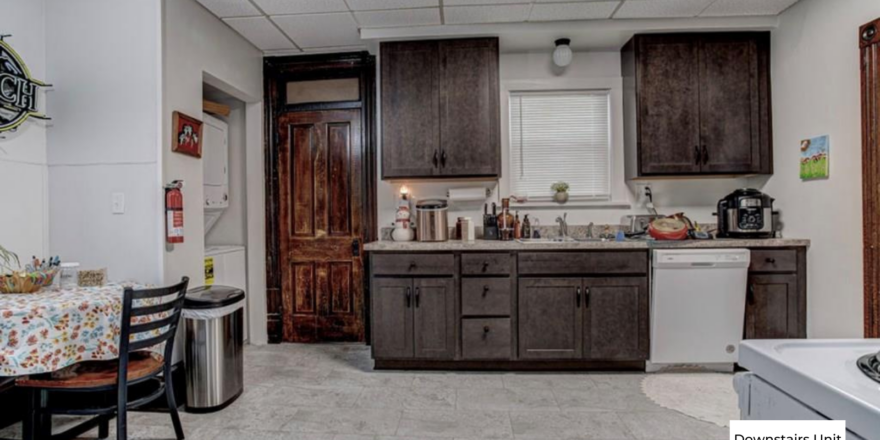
485,338
440,109
583,263
616,318
434,318
486,264
729,104
550,318
772,307
413,264
702,104
485,296
410,109
392,334
469,108
669,106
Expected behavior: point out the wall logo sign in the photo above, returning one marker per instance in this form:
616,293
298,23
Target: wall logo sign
18,90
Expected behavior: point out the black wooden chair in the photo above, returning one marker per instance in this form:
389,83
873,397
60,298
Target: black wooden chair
135,369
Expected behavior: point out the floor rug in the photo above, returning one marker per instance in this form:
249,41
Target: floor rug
705,396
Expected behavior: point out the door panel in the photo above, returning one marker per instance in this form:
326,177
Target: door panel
469,108
320,169
616,318
410,109
668,87
550,319
392,318
434,318
729,104
772,307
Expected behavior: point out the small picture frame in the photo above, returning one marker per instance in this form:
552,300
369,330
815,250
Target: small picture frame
186,135
814,157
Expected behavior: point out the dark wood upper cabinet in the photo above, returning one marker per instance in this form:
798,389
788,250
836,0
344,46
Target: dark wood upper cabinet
697,104
440,109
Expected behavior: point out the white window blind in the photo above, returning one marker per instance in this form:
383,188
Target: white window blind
560,136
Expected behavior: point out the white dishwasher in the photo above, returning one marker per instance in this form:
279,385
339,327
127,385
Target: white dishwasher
698,299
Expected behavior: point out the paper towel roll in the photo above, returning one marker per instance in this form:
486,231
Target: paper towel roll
466,194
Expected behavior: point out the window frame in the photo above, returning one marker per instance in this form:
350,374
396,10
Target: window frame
606,93
619,198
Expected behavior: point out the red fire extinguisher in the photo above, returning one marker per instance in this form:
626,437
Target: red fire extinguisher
174,212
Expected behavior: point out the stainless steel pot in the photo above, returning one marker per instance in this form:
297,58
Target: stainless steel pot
432,223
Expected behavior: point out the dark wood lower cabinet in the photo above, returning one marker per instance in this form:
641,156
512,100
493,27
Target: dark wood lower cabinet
616,318
550,318
392,318
772,307
413,318
434,312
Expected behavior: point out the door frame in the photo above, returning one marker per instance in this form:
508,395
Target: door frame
869,44
277,71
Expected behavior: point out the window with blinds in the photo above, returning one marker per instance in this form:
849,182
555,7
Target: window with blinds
560,136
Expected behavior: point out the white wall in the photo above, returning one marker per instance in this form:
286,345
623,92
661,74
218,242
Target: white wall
198,48
816,88
103,58
596,70
23,172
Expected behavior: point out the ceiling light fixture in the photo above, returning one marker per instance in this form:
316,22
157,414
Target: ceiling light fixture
562,53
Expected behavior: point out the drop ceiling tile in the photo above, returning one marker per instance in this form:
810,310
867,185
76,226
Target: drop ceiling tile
486,14
320,30
230,8
573,11
280,7
726,8
399,17
661,8
481,2
261,32
373,5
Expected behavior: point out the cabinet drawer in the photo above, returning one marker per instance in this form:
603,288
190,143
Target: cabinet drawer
485,338
485,264
776,260
583,263
485,297
413,264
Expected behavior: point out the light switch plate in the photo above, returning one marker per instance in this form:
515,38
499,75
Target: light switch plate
118,203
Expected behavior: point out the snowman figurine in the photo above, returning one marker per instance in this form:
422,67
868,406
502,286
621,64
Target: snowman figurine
403,230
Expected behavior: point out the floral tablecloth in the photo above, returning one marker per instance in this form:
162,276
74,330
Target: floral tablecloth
53,329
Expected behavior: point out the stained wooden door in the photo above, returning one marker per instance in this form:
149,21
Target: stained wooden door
320,172
729,103
469,108
772,307
616,318
669,106
550,318
392,317
870,60
410,109
434,318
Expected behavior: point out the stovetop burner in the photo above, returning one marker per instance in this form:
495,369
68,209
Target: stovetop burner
870,365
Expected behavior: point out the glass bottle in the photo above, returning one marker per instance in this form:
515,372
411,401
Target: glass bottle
505,221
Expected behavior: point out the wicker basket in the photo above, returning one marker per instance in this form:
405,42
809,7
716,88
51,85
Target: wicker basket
27,282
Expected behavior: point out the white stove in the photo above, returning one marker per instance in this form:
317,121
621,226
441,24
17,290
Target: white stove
810,379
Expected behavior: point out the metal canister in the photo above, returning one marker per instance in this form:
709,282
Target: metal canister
432,223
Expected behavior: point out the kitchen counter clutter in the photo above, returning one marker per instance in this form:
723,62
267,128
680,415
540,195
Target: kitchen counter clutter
497,245
572,305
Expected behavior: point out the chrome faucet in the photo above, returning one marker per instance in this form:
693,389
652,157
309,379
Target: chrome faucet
563,225
590,230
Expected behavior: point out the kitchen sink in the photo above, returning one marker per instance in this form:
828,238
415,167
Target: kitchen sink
558,240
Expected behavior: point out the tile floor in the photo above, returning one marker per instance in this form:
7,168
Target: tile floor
330,392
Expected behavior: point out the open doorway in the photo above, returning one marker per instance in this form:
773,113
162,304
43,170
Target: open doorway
320,204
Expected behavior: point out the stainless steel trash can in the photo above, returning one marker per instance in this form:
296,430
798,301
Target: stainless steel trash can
214,328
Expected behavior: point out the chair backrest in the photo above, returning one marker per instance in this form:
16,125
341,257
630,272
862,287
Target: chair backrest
163,307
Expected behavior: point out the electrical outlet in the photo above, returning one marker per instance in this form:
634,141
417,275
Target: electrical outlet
118,203
643,190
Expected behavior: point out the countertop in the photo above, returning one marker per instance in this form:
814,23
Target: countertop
497,245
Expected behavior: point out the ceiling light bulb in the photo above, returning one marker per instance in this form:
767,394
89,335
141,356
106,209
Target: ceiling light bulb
562,54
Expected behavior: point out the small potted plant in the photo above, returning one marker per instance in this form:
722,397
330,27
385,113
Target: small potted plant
560,192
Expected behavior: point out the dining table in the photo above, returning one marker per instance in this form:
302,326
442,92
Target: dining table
56,328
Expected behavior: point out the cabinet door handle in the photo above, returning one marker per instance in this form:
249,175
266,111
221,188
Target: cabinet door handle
417,297
705,155
408,297
587,298
485,266
697,155
436,160
750,298
771,260
412,265
578,296
443,159
485,291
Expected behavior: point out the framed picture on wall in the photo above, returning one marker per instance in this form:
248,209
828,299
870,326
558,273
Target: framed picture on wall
187,135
